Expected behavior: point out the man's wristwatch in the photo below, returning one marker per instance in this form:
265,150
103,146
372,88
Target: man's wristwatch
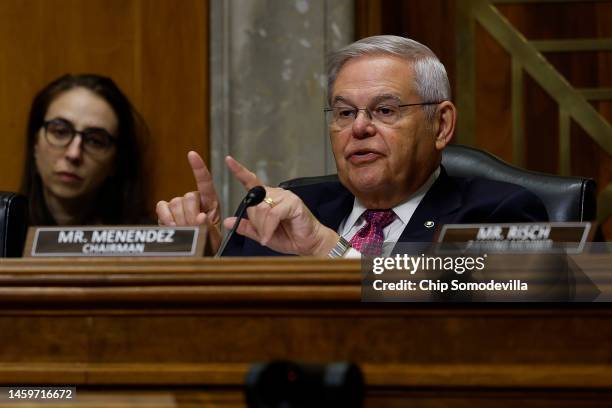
340,249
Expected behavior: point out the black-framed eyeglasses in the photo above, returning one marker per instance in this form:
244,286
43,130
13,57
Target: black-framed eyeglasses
387,113
60,133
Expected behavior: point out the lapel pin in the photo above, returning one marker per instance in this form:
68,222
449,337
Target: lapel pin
429,224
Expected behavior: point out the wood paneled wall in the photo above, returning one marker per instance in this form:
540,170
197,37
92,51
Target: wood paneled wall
156,51
433,22
544,21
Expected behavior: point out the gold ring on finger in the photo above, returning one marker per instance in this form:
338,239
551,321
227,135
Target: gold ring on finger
270,202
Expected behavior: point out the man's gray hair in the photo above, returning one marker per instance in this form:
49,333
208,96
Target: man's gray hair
431,81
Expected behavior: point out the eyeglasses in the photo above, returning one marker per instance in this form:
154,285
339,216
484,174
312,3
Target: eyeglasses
60,133
387,113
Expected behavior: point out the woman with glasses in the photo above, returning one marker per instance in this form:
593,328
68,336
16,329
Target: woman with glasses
83,159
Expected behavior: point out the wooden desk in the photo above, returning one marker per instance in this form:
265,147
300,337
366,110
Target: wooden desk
182,332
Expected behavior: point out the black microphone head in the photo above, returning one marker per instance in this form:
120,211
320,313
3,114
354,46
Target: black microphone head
255,196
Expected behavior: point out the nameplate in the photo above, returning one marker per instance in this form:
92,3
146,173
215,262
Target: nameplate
127,241
568,237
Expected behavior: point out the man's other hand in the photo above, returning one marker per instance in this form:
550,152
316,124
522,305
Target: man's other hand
199,207
282,222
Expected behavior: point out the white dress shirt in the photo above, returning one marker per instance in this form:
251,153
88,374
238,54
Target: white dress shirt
392,232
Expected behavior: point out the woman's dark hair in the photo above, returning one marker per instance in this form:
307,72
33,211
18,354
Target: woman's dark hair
122,197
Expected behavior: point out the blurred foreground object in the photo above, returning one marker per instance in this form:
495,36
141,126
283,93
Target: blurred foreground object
288,384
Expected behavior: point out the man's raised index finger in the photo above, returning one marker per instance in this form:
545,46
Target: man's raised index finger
201,174
246,177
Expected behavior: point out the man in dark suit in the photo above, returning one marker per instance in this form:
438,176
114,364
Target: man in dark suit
390,116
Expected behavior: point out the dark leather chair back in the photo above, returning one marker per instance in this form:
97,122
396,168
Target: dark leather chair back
13,224
565,198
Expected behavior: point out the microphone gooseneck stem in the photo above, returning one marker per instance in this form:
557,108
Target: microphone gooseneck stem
226,240
253,197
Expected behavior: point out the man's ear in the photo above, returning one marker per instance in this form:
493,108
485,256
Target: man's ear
446,116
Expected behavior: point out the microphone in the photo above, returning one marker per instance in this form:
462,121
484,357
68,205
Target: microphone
253,197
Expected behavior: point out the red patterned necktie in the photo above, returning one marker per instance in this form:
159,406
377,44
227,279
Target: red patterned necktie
369,239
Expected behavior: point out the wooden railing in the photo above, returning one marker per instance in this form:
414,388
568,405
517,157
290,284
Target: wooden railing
527,56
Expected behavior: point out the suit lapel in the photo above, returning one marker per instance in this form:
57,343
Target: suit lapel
331,213
437,207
